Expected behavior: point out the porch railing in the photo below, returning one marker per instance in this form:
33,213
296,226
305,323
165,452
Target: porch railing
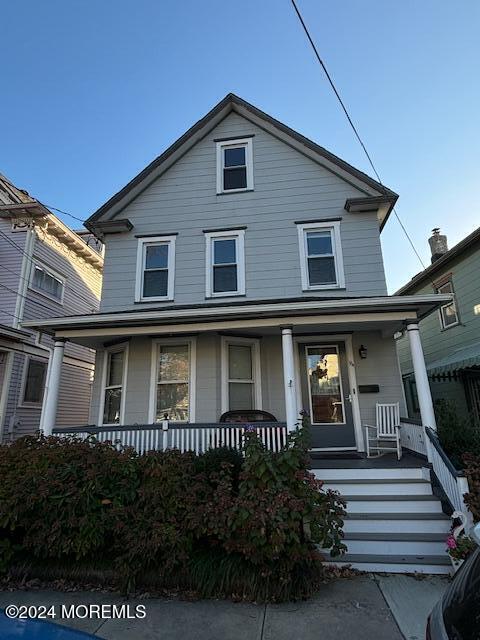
197,437
412,436
424,440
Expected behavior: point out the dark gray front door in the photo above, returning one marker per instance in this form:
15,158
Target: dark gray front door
326,394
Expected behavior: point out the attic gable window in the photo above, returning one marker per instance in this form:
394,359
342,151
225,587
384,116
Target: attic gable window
235,166
155,269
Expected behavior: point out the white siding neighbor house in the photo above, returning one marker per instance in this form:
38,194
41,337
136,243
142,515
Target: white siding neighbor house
244,280
46,269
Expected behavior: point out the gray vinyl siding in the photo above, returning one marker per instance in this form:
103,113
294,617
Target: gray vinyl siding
82,292
439,343
75,395
380,367
288,187
11,261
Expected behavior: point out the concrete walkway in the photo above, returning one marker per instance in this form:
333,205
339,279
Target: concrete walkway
361,608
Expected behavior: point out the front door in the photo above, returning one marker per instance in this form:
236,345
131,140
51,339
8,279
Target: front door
326,395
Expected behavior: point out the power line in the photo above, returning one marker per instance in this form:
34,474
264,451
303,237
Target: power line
16,246
350,121
66,213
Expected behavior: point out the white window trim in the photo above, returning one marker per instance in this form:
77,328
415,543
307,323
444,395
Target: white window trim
443,326
51,272
31,405
239,236
192,383
115,349
142,243
225,144
256,366
334,227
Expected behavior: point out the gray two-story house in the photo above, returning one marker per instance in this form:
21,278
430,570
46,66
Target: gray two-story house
244,273
450,337
46,270
243,270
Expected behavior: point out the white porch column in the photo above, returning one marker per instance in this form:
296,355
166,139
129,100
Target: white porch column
51,392
289,378
421,377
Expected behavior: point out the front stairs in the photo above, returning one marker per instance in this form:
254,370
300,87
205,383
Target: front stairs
394,522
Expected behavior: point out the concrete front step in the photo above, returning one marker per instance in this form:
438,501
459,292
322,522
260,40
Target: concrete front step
377,486
327,474
394,563
399,522
428,544
388,503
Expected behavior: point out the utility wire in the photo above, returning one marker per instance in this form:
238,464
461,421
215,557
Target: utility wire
350,121
14,245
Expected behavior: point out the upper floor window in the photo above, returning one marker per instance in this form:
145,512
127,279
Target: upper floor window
34,381
234,166
45,281
448,312
225,275
321,260
155,269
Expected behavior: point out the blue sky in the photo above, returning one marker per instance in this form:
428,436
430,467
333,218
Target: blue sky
93,91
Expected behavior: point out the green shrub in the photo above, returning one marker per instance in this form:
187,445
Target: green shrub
457,435
222,524
56,494
472,471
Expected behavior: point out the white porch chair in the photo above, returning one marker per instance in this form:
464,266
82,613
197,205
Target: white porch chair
386,436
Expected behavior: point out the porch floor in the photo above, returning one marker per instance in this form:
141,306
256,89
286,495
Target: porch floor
360,461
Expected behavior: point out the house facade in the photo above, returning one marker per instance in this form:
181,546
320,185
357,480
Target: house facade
46,269
450,337
244,271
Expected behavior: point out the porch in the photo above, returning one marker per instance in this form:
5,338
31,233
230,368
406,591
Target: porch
334,358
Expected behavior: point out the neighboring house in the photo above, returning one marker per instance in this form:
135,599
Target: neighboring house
244,271
46,269
450,337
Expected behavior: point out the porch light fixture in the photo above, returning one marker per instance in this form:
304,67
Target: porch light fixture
363,352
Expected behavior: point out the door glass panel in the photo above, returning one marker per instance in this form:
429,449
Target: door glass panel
324,385
241,395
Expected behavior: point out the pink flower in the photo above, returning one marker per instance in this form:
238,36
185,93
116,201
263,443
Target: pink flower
451,542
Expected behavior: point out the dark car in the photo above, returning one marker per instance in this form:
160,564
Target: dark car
457,615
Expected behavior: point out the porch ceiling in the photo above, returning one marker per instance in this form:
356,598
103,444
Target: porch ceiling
340,315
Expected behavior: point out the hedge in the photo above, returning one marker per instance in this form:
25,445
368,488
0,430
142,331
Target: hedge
221,524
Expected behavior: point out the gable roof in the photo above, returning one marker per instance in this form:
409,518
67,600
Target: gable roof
441,263
18,202
232,103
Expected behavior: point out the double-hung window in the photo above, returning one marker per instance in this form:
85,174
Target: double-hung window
321,259
448,312
155,269
45,281
173,389
235,166
34,381
225,259
114,374
241,388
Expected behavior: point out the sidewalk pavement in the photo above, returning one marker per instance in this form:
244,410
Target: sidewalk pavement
359,608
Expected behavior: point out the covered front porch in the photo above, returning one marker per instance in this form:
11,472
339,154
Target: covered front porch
166,377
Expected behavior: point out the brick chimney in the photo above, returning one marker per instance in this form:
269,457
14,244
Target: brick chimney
438,244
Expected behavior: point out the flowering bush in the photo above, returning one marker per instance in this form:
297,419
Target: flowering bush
460,548
219,523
